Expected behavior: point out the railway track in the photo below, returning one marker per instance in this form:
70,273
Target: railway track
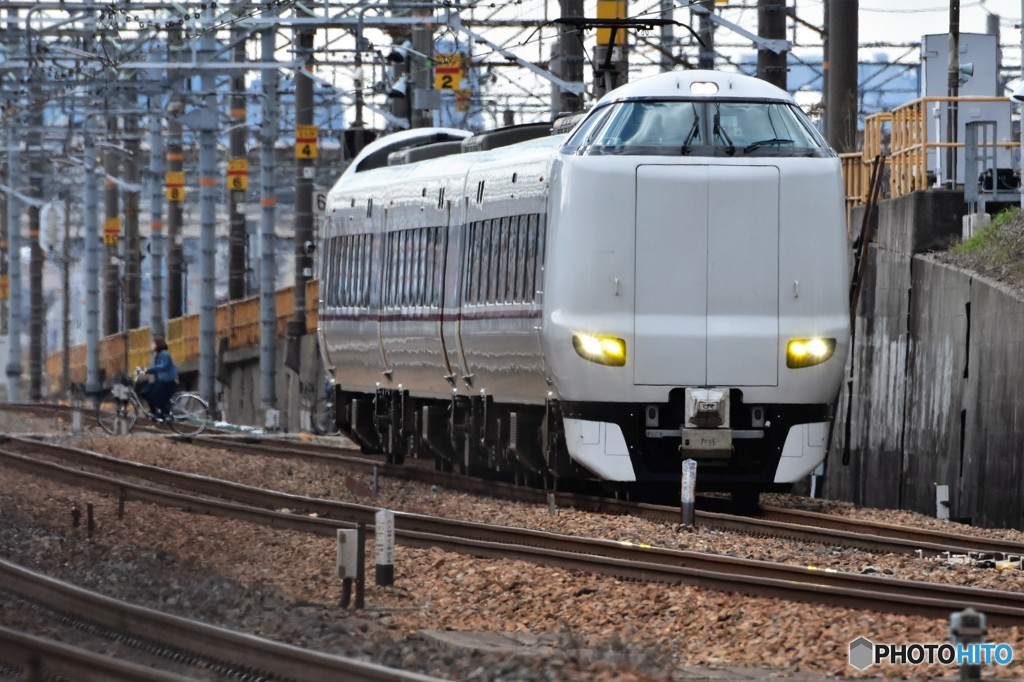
198,646
791,524
622,560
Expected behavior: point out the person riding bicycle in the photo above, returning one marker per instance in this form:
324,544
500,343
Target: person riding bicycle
158,392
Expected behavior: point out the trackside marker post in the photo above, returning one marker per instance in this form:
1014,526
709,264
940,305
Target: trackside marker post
346,563
688,490
384,539
968,627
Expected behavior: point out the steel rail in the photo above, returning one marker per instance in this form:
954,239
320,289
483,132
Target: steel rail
260,497
623,560
42,658
842,523
200,639
791,524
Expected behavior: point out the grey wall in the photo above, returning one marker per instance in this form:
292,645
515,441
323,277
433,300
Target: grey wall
238,372
935,393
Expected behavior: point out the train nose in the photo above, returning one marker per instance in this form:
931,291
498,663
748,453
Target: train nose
707,298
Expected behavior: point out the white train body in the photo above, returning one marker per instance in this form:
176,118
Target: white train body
665,281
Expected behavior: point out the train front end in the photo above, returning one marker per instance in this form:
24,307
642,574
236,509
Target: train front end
696,294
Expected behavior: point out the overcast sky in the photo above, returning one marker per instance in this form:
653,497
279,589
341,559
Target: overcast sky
907,20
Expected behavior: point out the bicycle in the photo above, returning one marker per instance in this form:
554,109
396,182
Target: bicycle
118,410
320,408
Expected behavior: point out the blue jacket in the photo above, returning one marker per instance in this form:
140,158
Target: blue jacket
163,368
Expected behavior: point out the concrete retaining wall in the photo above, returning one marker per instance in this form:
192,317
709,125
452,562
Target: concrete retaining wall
239,377
935,395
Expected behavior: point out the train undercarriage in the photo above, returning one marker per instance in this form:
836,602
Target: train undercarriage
526,444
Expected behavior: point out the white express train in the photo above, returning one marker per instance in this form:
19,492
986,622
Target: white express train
665,280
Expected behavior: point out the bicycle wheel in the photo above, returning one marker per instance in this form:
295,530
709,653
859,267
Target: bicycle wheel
321,418
116,415
189,414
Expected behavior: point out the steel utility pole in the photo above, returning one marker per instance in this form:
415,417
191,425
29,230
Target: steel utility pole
953,91
206,119
93,382
305,156
771,24
111,235
4,255
13,122
174,182
826,66
156,215
65,326
611,62
238,173
132,246
570,57
37,312
420,72
268,239
842,83
706,31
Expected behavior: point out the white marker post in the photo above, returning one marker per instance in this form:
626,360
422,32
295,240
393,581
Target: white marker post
384,539
347,564
688,492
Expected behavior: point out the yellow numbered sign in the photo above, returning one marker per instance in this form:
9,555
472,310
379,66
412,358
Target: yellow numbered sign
111,231
305,142
447,71
174,183
238,174
5,287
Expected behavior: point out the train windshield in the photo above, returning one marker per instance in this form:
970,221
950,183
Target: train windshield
698,128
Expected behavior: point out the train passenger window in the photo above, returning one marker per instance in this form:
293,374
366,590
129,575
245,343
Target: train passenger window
515,267
409,261
539,263
399,275
473,265
485,262
425,251
494,271
334,271
425,265
405,297
364,270
392,270
531,258
521,293
344,271
420,279
439,257
469,263
501,266
353,270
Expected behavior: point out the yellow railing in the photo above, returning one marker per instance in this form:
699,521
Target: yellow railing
238,322
909,148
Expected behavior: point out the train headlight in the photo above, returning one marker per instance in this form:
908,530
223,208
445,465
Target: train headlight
604,350
703,88
808,352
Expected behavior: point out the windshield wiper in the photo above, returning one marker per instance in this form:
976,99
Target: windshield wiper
762,143
720,133
689,137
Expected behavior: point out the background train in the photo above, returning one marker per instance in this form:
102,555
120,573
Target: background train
665,278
